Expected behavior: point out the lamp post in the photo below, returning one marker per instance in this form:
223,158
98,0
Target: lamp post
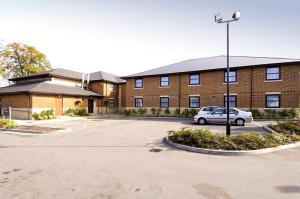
236,16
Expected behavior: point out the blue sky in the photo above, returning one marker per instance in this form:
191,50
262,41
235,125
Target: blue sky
125,37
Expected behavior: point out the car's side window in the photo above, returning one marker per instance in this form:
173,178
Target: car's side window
219,111
207,109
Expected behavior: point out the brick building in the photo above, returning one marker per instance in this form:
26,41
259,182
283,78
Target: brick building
59,89
255,82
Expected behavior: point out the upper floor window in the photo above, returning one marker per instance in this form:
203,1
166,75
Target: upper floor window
232,76
194,79
232,101
138,102
164,81
273,73
194,102
139,83
164,102
273,101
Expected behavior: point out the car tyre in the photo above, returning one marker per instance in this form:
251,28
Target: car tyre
201,121
240,122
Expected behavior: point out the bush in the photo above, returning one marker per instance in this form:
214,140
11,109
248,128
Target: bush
6,123
158,111
167,111
177,112
283,113
193,112
287,127
202,138
134,112
127,112
271,114
185,113
293,113
256,113
142,111
153,110
76,112
43,115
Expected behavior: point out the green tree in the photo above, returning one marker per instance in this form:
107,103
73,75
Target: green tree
18,59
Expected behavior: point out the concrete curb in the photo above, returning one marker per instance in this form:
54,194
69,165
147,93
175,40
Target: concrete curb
230,153
24,132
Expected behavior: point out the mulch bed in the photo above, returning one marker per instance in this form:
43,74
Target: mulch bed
37,129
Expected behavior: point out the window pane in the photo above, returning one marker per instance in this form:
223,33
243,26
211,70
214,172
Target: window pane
138,102
232,101
194,79
111,103
139,83
273,73
194,102
273,101
164,102
232,76
164,81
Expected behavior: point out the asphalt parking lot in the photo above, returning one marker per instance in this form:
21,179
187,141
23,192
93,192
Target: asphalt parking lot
111,158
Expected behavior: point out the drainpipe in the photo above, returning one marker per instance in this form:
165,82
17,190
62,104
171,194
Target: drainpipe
106,104
251,89
179,95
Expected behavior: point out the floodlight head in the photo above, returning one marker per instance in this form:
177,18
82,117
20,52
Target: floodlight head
236,15
218,19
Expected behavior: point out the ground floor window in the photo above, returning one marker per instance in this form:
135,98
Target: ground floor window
164,102
273,101
111,103
138,102
232,101
194,101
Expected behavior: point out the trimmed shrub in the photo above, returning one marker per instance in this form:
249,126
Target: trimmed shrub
134,112
202,138
271,114
6,123
142,111
193,112
76,112
158,111
127,112
293,113
185,113
153,110
176,112
167,111
257,114
284,113
43,115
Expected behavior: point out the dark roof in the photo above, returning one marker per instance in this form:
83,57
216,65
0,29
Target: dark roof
213,63
58,72
46,88
100,75
69,74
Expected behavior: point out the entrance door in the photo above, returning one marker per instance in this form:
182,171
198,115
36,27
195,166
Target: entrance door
90,105
58,106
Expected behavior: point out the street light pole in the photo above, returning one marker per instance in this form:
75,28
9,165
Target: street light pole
218,19
227,84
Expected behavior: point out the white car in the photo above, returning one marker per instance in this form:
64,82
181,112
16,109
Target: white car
207,109
219,116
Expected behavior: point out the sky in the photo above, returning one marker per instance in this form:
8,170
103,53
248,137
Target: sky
130,36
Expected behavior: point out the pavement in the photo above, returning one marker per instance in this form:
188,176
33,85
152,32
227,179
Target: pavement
111,158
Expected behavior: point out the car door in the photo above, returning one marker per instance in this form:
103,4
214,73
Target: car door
216,116
232,115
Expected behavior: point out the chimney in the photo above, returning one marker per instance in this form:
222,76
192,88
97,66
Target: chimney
88,80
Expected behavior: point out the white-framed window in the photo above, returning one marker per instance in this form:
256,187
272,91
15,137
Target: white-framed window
273,101
138,102
139,83
164,102
232,76
273,73
194,101
194,79
164,81
232,100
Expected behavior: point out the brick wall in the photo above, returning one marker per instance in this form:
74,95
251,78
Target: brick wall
212,88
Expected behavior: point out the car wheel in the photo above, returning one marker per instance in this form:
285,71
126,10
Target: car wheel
202,121
240,122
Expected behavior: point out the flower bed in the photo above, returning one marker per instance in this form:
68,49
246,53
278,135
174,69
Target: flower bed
202,138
